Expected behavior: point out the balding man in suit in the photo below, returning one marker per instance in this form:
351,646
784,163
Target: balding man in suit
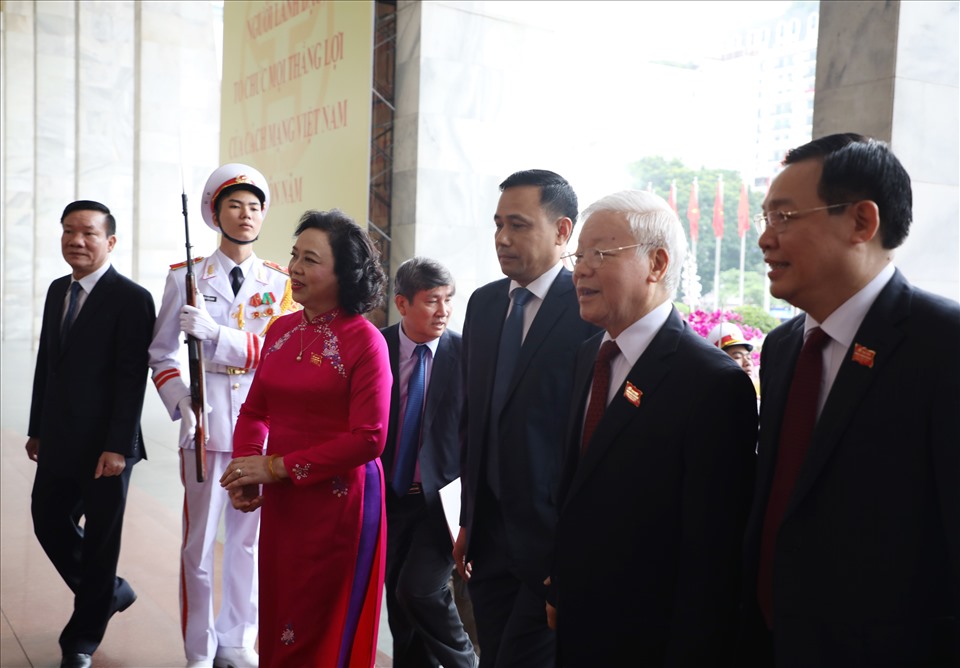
660,455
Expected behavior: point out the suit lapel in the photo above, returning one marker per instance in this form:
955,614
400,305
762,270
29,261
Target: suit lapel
441,374
774,388
58,295
550,311
646,375
392,335
880,332
495,312
88,315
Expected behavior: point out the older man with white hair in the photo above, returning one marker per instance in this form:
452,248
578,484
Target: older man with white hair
659,458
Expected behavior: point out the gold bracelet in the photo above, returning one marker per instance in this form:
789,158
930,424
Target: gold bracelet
273,474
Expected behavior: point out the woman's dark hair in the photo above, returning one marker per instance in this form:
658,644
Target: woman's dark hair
356,261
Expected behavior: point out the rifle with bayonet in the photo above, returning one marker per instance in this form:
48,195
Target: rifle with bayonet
195,357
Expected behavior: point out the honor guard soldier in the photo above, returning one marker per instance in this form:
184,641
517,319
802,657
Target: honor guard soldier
240,296
729,338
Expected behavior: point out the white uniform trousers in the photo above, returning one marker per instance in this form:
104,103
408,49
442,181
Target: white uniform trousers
203,503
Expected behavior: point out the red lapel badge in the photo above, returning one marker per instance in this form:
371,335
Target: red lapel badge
863,356
632,394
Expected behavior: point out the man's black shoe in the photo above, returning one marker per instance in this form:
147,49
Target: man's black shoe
76,661
123,596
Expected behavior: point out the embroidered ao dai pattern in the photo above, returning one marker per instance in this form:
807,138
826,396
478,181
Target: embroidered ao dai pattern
323,531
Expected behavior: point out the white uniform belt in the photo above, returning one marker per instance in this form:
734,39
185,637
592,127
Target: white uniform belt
229,370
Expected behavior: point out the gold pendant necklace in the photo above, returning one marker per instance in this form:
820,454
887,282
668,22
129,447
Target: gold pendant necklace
304,347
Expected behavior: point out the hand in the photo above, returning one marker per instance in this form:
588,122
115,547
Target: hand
197,322
33,448
188,421
551,611
246,471
464,568
110,464
246,499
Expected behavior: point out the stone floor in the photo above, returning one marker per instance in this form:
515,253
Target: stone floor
35,603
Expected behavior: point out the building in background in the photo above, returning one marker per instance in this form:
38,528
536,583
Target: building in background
777,60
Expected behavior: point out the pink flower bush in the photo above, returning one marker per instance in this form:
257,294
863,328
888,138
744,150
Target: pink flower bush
704,321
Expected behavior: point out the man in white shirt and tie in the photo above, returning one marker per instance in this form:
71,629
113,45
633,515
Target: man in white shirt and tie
85,422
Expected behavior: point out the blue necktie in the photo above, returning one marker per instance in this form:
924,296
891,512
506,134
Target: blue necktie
511,338
71,311
406,464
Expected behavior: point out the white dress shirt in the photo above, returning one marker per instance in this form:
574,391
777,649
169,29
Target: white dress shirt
539,289
841,326
632,342
87,284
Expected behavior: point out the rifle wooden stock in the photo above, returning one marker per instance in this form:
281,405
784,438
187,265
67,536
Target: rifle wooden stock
195,361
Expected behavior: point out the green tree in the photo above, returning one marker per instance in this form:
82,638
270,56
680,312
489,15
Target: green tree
659,172
730,286
756,317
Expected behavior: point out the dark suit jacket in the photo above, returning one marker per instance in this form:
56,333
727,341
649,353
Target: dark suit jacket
87,397
440,444
531,426
867,559
647,564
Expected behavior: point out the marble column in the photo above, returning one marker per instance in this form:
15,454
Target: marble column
96,97
892,70
469,114
20,318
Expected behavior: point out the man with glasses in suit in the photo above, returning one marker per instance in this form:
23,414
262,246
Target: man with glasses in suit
853,546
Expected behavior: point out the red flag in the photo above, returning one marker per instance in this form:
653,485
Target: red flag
693,212
672,201
743,212
718,210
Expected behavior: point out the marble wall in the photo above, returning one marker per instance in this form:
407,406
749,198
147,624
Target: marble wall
96,98
452,149
892,70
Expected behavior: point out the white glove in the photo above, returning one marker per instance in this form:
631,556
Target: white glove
188,421
197,322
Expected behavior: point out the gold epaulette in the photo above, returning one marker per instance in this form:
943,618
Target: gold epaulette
276,267
181,265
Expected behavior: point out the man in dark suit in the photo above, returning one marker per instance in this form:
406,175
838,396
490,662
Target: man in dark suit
659,462
853,545
422,455
520,337
84,430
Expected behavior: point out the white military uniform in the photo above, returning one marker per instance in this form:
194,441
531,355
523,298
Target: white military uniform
229,363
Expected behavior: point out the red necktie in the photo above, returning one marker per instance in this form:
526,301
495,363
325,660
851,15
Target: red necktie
799,419
598,391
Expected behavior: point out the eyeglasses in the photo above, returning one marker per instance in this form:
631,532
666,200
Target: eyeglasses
593,257
777,220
